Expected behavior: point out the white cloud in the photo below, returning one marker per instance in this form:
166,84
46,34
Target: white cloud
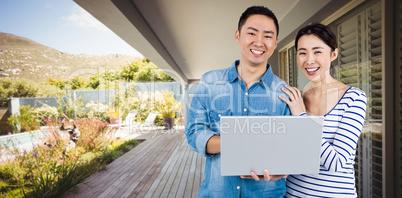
81,18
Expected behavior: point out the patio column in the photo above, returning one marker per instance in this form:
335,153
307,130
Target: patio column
186,104
14,108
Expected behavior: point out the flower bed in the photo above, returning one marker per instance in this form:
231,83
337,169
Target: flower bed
48,170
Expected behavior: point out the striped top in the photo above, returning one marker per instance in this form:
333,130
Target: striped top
342,127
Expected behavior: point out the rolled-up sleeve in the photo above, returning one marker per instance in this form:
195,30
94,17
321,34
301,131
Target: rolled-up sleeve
198,131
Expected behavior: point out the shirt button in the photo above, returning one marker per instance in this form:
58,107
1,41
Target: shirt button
238,187
246,94
219,115
245,109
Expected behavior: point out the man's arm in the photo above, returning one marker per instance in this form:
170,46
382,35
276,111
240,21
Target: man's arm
199,135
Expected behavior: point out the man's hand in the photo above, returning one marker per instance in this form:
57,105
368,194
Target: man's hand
265,177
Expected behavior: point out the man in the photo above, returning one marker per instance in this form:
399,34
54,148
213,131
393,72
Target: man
246,88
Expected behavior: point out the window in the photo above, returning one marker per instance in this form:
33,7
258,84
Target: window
359,64
293,68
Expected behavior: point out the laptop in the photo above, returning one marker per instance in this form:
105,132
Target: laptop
282,144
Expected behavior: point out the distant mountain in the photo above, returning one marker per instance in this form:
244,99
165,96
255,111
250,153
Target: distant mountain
23,58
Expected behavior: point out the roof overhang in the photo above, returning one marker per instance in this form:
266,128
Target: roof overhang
188,38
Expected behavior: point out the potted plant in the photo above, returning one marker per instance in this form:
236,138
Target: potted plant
114,116
167,106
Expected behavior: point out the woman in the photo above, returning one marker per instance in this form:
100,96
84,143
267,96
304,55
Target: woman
343,108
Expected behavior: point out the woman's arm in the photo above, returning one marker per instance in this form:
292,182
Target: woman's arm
335,156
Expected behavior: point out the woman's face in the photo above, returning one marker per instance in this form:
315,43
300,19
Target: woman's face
314,57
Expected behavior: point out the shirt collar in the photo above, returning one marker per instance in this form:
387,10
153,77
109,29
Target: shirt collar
266,78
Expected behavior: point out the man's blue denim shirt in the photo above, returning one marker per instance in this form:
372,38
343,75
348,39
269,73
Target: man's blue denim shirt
223,93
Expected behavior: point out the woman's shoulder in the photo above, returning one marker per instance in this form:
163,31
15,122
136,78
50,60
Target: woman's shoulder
356,92
356,96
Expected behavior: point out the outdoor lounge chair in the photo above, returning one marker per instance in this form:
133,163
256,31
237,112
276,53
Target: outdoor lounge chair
149,122
127,122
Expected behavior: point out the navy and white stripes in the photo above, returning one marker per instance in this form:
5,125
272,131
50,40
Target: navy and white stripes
342,128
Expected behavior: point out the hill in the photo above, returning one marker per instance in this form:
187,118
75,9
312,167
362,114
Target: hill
23,58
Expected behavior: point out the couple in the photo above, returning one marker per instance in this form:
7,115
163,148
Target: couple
249,87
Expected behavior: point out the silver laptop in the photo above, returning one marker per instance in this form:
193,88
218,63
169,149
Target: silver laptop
281,144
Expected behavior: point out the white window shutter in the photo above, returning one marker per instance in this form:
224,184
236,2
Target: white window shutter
359,64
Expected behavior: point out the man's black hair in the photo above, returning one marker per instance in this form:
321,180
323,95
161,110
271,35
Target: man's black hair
260,10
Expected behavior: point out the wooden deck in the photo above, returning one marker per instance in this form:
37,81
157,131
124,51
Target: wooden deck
161,166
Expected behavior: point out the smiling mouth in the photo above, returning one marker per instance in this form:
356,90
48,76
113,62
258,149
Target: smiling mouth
312,70
256,52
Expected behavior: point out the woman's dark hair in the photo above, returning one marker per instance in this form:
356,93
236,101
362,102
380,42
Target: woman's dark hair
321,31
254,10
324,33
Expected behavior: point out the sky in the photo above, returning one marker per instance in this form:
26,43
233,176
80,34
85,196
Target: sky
62,25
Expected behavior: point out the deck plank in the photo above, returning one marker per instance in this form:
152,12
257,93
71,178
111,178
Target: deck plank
144,183
186,172
190,180
175,172
197,176
161,166
115,170
166,174
179,175
138,173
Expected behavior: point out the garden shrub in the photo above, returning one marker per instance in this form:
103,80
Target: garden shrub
24,121
45,114
49,172
22,88
97,110
148,102
124,100
95,134
46,90
41,172
51,181
16,88
7,173
166,104
71,107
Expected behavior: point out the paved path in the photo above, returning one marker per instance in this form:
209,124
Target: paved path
161,166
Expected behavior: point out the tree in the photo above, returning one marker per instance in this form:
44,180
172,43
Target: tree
143,70
94,81
128,72
76,83
58,83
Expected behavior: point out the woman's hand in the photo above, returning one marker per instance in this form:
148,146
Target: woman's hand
265,177
295,103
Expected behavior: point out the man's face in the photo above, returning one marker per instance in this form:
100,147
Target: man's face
257,40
